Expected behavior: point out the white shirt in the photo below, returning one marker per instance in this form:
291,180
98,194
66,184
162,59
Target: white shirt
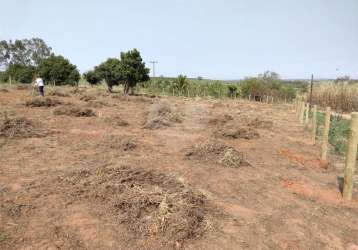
39,82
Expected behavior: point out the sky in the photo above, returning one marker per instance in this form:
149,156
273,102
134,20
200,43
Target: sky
217,39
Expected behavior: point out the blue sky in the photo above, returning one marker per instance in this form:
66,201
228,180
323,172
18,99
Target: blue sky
227,39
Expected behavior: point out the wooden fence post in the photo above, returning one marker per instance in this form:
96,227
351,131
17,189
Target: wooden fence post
298,107
324,147
302,112
250,97
351,157
307,113
314,124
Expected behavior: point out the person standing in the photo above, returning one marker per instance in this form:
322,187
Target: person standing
39,82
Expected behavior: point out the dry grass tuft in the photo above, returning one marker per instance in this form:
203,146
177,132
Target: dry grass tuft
217,152
43,102
162,114
74,111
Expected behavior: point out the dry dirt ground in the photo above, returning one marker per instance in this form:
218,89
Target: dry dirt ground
164,173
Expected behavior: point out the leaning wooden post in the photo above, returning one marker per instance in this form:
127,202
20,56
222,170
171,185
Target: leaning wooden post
302,112
351,156
307,113
324,147
314,124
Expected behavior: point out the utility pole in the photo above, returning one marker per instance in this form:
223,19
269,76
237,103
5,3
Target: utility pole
153,66
311,90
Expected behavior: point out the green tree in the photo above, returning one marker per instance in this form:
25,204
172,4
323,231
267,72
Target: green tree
24,52
20,73
132,70
92,77
111,72
58,70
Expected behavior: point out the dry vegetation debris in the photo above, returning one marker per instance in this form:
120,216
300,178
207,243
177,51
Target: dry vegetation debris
74,111
87,98
4,90
260,124
98,104
237,132
59,93
116,121
43,102
217,152
118,142
220,120
147,202
162,114
20,127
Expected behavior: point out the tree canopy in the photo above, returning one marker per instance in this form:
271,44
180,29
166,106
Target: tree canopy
58,70
27,52
128,70
92,77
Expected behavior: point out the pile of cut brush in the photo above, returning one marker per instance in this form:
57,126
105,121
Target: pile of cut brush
149,203
162,114
74,111
43,102
218,153
20,127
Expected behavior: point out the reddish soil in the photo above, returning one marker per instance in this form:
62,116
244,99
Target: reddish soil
90,183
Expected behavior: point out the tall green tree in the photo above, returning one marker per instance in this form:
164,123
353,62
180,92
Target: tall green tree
58,70
24,52
133,70
110,71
